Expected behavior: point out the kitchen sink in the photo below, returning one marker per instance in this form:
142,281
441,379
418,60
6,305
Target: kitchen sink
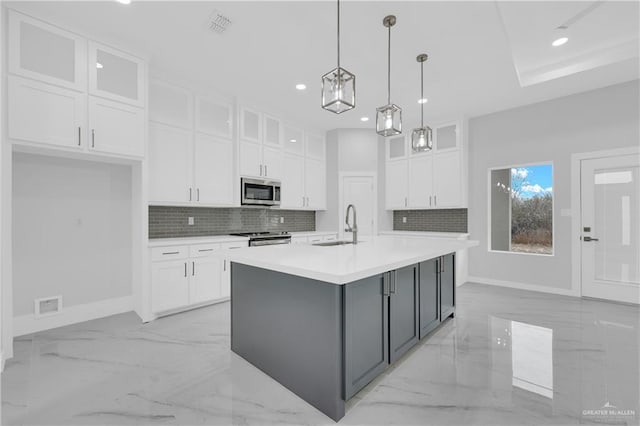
333,243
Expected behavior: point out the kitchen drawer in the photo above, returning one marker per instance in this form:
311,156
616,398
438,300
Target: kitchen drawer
299,240
330,238
203,250
236,245
315,239
169,253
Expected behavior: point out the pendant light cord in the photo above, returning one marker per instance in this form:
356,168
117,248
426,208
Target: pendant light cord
389,68
338,36
422,94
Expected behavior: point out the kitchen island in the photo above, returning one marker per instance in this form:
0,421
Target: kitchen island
326,320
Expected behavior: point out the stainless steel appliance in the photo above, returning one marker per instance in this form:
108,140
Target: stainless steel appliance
266,238
260,192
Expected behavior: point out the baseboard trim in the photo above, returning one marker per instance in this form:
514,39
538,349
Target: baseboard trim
27,324
523,286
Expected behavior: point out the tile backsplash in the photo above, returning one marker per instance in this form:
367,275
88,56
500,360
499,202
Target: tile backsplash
169,222
441,220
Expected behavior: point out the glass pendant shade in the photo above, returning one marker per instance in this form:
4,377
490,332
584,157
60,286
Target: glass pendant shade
389,120
338,90
422,139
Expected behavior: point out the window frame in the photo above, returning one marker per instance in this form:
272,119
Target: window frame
553,208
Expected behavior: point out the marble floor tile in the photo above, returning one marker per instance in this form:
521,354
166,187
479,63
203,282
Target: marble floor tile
510,357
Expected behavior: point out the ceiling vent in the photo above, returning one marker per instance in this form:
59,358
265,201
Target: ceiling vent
218,23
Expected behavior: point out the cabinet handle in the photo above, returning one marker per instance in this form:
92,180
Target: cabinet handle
185,269
307,201
385,284
198,194
435,201
201,250
93,138
79,136
190,192
405,201
393,282
429,200
437,265
265,170
193,269
260,169
303,201
224,265
170,252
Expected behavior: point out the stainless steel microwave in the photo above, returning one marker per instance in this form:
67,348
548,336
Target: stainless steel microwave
260,192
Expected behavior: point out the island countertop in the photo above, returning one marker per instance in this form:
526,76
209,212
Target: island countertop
347,263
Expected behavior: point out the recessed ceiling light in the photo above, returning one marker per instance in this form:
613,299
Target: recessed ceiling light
560,41
301,86
124,1
423,101
364,118
293,140
99,65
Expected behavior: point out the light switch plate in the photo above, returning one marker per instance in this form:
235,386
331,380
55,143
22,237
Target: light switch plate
281,219
565,212
191,220
404,219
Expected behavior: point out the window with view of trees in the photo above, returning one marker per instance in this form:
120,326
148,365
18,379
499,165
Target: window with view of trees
522,209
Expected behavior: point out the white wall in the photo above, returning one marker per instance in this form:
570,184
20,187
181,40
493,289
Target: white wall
72,231
351,150
548,131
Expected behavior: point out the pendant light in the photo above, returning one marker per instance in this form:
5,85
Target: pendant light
389,117
338,85
422,137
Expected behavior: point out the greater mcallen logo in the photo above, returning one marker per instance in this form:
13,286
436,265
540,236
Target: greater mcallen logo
609,412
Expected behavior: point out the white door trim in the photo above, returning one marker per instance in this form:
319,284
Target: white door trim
341,207
576,213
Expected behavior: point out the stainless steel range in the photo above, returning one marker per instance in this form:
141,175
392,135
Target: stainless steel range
265,238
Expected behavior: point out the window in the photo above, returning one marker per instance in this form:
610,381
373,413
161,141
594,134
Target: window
522,209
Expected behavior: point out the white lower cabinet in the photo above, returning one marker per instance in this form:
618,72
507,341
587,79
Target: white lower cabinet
188,276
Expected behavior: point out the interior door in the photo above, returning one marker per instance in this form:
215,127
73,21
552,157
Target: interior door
358,190
610,232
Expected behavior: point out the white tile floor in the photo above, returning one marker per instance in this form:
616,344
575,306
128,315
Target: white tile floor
509,357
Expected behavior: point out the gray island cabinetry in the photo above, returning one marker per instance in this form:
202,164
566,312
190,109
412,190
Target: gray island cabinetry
326,335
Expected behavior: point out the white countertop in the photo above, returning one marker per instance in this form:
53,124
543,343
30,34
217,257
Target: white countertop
311,233
344,264
162,242
427,234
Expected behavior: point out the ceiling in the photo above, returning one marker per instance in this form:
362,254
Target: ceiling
484,56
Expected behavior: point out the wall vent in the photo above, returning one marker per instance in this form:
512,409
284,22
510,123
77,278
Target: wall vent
218,23
47,306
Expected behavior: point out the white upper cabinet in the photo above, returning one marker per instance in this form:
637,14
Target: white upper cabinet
213,170
47,53
116,75
116,128
447,137
396,176
250,125
420,184
447,173
396,147
293,191
315,184
271,163
170,164
271,131
293,140
170,105
46,114
214,117
315,146
250,163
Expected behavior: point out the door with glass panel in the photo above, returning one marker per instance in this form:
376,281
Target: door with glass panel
610,233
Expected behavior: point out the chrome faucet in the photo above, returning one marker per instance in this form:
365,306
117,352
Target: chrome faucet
353,228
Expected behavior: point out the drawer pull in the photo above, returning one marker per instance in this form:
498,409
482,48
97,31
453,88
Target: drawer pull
235,247
170,252
201,250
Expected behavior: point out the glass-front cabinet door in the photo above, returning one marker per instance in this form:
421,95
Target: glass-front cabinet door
116,75
396,147
46,53
447,137
214,117
293,139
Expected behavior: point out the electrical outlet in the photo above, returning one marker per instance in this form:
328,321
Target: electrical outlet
281,219
404,219
191,221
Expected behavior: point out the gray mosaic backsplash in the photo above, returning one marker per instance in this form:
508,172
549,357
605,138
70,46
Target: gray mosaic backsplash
170,222
441,220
